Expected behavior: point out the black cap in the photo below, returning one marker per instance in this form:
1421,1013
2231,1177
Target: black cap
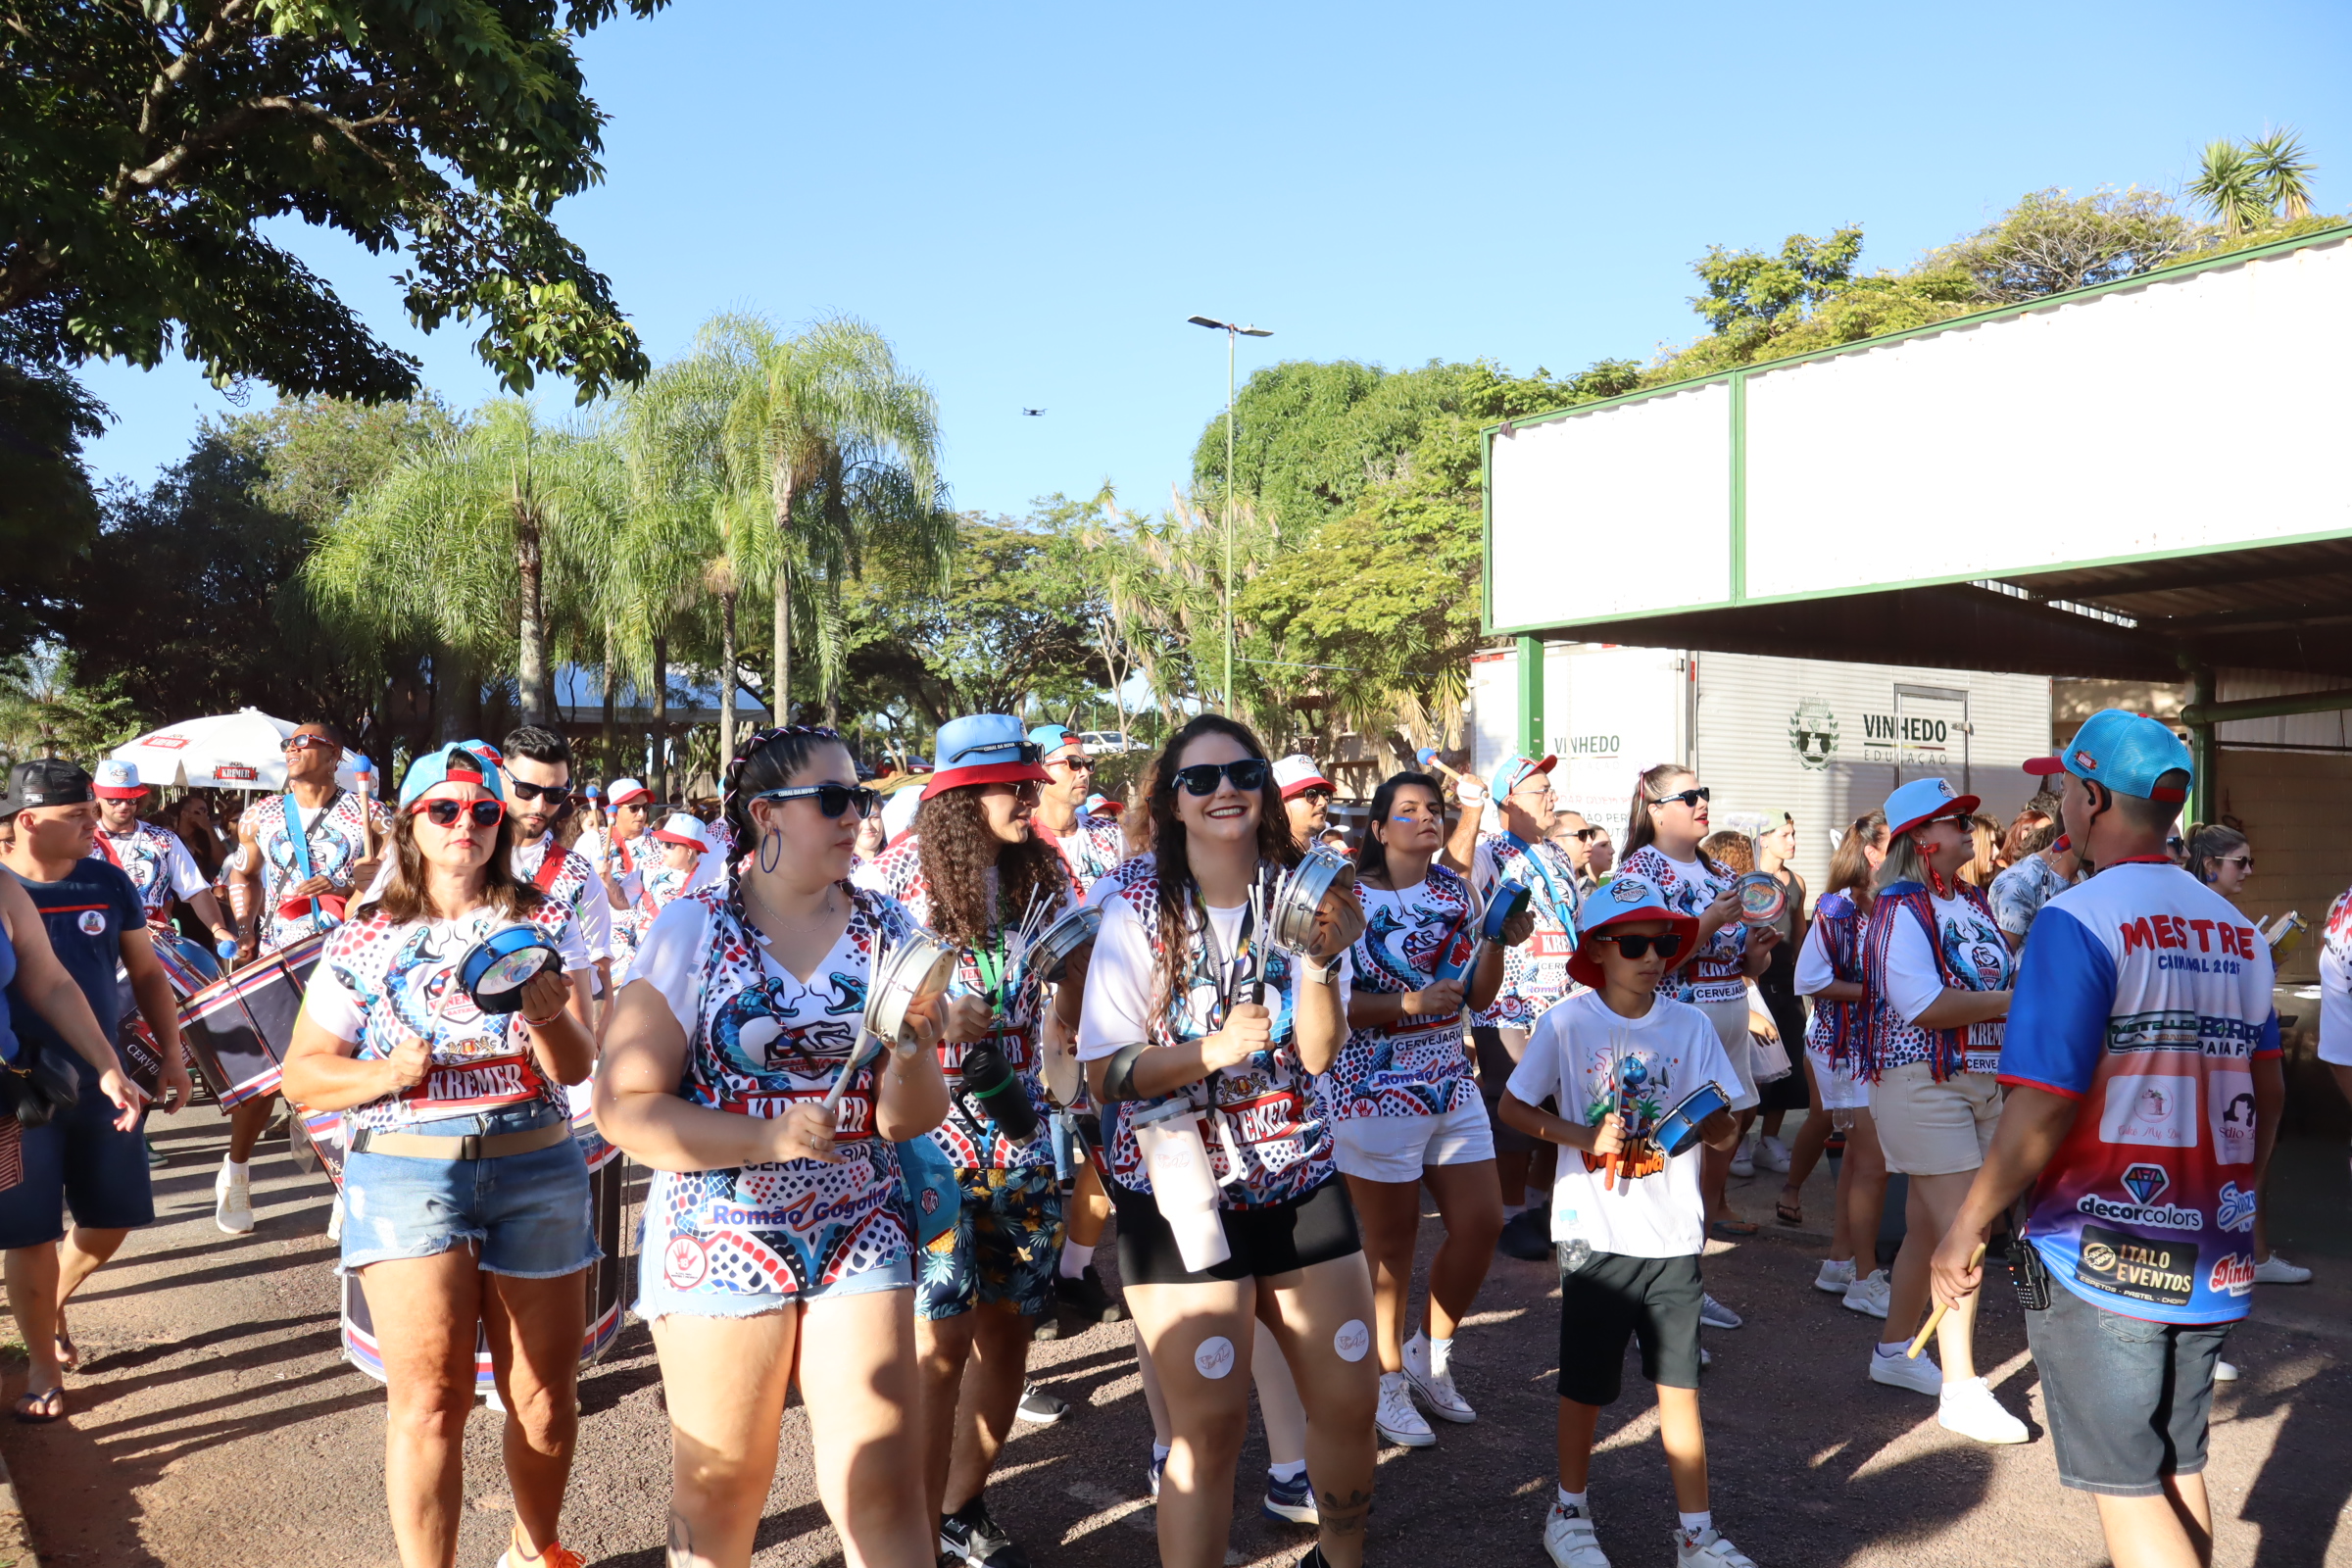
46,781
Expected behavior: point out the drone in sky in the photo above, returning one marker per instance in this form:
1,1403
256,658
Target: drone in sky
1033,413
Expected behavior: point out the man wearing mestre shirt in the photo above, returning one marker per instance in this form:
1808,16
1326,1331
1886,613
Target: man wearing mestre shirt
2144,1089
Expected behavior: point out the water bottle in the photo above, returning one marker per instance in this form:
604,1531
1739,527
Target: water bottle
1841,1096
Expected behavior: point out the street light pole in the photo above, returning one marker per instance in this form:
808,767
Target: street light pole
1231,331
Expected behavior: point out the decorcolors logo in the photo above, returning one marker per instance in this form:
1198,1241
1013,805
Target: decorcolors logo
2146,1183
1813,733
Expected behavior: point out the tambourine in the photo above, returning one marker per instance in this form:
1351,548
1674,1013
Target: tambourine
1762,899
1319,878
1510,898
1049,956
1678,1128
917,968
496,968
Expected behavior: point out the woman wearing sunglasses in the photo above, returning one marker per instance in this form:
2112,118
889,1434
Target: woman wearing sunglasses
1937,972
1175,1027
1665,825
466,1196
975,872
1405,1103
776,1249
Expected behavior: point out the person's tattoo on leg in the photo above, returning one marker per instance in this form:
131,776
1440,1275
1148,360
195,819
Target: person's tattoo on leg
1345,1518
681,1542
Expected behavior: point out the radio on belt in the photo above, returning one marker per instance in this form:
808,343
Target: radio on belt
496,968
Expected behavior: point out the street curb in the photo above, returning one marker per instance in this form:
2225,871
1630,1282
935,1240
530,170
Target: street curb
16,1546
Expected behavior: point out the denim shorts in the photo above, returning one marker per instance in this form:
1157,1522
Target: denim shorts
530,1215
2128,1398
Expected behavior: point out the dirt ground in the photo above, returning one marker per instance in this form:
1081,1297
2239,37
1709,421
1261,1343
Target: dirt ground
214,1422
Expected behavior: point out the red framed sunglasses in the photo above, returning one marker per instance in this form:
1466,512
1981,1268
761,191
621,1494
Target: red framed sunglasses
445,812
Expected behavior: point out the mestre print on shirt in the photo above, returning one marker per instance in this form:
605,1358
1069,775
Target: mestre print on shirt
1262,1104
1535,974
335,843
2146,996
1719,972
402,975
974,1142
1414,1066
759,1042
145,854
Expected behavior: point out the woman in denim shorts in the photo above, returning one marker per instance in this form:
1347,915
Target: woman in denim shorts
776,1244
465,1198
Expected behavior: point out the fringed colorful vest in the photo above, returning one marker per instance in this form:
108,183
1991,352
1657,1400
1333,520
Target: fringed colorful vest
1947,1049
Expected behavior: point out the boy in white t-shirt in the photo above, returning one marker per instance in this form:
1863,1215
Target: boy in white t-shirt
1627,1217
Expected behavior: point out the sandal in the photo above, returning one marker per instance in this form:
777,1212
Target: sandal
67,1357
1788,1213
1731,1229
39,1409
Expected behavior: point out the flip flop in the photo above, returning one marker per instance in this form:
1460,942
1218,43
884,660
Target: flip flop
1728,1230
67,1357
1788,1213
39,1409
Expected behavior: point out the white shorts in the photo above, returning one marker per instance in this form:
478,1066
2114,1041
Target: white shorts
1393,1148
1837,1094
1730,1019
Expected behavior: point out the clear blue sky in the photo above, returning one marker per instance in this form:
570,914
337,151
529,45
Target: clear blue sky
1030,200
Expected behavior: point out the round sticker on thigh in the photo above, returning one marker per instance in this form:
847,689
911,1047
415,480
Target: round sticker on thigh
1352,1339
1214,1358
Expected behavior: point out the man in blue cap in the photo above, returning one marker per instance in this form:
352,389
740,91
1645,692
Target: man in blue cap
2144,1090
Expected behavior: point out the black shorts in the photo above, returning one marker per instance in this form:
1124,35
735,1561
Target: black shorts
78,1160
1280,1239
1611,1299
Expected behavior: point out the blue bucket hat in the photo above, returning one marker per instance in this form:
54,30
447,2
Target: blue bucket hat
1923,801
985,749
2126,752
1621,899
451,765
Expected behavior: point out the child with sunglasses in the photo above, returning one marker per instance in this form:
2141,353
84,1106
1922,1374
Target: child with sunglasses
975,871
468,1195
1627,1214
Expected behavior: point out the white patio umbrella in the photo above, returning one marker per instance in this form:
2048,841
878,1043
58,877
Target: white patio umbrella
239,750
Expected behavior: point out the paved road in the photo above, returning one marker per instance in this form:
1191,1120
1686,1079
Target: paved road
216,1423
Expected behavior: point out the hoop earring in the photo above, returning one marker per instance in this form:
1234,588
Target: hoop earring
771,850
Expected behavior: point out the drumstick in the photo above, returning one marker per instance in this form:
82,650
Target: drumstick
1427,757
361,780
1936,1317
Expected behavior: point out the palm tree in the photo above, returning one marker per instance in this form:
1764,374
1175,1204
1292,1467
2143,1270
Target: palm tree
850,445
2232,187
2278,162
472,539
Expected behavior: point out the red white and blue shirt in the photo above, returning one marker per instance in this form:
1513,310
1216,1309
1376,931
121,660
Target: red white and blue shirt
2335,984
158,865
571,882
333,836
1411,1067
2146,996
1535,974
1719,974
1091,848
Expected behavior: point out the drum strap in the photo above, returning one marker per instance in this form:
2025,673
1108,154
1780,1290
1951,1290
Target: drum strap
551,867
106,848
299,837
1562,910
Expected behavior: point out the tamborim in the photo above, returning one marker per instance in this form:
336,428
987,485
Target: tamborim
1055,946
1321,881
1678,1128
1762,899
917,968
496,968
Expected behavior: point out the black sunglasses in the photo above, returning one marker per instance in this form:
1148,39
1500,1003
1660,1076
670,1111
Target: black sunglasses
553,794
1638,946
445,813
831,799
1077,765
1247,775
1689,798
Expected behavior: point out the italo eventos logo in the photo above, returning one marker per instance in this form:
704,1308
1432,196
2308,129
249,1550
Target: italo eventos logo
1813,732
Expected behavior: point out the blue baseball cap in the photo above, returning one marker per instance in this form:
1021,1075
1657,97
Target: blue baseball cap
1923,801
2126,752
451,765
985,749
1515,770
1621,898
1052,738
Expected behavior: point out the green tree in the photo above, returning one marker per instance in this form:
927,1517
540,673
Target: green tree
2285,171
47,709
1752,297
143,148
2232,187
474,540
48,512
2052,241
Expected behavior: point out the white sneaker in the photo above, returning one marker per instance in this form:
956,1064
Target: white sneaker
1396,1419
1968,1408
1744,1158
2224,1372
1869,1294
232,1201
1772,1154
1436,1388
1715,1315
1571,1541
1710,1550
2277,1270
1834,1278
1922,1376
